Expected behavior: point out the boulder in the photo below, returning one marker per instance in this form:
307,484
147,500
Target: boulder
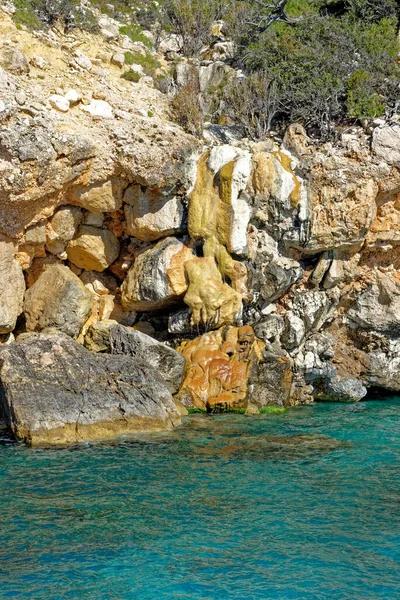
157,278
62,228
386,143
99,109
152,214
93,249
101,197
12,287
57,299
166,361
54,391
378,307
13,60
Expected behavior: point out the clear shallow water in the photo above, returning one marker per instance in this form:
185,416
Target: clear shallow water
227,507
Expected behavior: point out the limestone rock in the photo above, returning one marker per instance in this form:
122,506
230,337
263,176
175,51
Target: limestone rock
57,299
272,273
378,307
167,362
99,109
62,227
386,143
214,304
57,392
152,214
13,60
93,249
102,197
157,278
12,287
271,381
59,103
218,365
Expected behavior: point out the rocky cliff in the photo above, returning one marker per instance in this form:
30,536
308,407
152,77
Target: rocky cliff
273,266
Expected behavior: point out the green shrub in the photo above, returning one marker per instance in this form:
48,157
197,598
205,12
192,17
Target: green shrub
147,62
25,15
135,33
131,75
362,101
129,58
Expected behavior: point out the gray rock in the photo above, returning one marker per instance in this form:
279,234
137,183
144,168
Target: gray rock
57,299
54,391
14,61
12,287
378,307
270,383
386,143
167,362
273,274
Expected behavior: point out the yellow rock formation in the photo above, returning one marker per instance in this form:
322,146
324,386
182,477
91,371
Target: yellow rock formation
211,221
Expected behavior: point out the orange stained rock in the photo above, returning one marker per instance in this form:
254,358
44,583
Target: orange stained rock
218,368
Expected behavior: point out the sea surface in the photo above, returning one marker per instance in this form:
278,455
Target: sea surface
304,504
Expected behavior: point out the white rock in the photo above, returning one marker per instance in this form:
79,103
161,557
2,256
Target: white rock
100,109
73,96
59,102
84,62
118,59
38,61
2,106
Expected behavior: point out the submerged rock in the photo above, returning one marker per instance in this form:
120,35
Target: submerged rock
54,391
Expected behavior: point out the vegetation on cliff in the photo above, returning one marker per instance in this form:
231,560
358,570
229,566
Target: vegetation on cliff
318,62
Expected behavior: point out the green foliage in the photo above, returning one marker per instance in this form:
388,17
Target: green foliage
135,33
129,58
147,62
362,101
193,410
313,61
35,14
131,75
191,20
25,15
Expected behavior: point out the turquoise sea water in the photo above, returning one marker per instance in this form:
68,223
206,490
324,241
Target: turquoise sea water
226,507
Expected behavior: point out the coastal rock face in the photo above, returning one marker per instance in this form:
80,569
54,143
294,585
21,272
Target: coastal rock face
109,210
168,363
57,299
157,278
12,287
54,391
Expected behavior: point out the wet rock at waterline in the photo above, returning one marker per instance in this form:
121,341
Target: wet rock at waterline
54,391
